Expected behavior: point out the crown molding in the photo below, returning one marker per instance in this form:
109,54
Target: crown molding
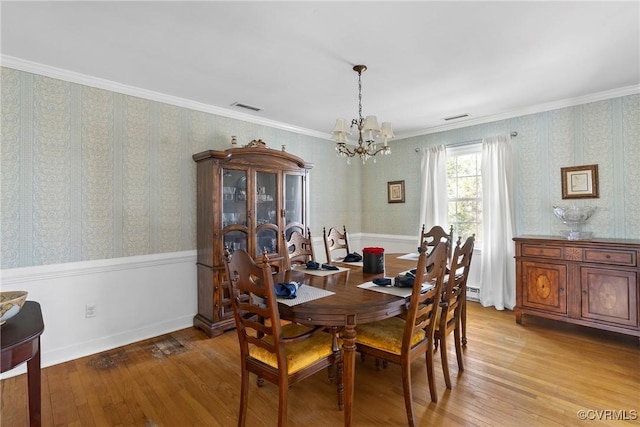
534,109
86,80
83,79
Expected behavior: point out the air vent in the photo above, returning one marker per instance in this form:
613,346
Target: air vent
461,116
248,107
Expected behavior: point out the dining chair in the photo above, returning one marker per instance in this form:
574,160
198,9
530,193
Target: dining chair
435,235
452,304
334,240
299,248
281,354
401,340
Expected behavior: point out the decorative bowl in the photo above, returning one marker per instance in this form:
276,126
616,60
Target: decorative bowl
10,304
574,217
574,214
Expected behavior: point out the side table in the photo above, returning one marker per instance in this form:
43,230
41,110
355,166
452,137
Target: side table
20,342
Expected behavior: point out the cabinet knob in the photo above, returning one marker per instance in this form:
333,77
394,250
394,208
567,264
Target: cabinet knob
561,289
608,256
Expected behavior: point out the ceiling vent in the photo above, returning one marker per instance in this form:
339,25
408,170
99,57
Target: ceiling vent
246,106
460,116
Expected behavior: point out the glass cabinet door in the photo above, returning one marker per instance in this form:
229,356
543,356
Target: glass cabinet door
266,198
266,202
234,198
293,202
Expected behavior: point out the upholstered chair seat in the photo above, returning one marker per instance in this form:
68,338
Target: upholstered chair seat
299,354
387,335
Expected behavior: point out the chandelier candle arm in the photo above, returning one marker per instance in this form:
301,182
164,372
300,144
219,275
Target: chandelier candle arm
367,128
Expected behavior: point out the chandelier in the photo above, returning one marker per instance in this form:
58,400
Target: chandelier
367,128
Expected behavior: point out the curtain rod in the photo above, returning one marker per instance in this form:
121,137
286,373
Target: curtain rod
474,141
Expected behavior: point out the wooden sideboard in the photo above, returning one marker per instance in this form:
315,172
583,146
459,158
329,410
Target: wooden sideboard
592,283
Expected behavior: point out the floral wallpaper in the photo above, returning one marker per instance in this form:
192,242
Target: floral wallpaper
90,174
606,133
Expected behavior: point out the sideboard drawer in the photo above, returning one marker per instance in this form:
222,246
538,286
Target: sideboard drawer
605,256
542,251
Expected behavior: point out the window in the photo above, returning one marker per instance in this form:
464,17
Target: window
464,189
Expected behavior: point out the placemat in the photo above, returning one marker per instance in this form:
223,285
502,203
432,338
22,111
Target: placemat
392,290
319,272
357,264
413,256
305,294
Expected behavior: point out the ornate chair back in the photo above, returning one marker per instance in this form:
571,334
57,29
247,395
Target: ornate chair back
435,235
335,240
299,248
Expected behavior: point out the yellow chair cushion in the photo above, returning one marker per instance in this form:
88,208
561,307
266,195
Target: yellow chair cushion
386,335
300,354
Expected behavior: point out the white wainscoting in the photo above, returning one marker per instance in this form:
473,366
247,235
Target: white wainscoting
136,298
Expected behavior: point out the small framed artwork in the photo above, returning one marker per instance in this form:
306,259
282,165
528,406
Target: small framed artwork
580,182
395,191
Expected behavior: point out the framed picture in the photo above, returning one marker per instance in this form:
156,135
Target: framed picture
580,182
395,191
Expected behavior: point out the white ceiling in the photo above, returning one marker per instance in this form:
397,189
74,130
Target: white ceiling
427,60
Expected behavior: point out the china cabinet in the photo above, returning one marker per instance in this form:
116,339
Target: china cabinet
246,198
592,282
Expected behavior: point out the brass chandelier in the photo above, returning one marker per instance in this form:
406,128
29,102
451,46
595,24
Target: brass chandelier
367,128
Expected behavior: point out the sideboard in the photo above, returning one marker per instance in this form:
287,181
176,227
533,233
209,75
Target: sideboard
592,283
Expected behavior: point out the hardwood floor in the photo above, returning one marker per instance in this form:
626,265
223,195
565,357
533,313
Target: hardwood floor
541,373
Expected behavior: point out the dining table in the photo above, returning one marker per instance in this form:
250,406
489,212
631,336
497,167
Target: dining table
348,306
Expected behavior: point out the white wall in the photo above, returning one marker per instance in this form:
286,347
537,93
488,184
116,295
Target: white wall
136,298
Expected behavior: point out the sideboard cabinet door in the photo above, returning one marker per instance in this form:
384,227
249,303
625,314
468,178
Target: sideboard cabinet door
544,286
610,296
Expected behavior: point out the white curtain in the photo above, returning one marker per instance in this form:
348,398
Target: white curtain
498,266
433,199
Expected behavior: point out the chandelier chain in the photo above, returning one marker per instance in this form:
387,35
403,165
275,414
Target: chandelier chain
360,98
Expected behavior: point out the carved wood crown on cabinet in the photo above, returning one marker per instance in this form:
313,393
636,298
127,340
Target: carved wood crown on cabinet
593,283
246,198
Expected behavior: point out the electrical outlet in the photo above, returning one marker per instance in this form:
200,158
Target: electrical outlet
90,310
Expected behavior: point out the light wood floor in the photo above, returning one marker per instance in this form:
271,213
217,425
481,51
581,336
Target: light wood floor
541,373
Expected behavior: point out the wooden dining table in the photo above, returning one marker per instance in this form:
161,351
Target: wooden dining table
348,307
